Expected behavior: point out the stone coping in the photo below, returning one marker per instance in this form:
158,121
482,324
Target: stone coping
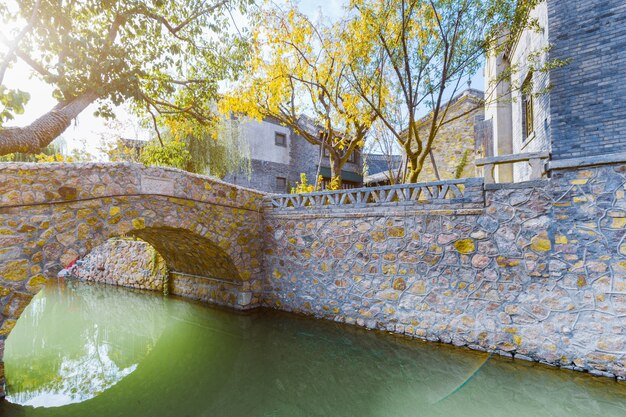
388,211
508,159
517,185
586,161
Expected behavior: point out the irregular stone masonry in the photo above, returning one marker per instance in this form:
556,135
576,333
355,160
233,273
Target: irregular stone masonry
536,270
539,272
136,264
124,262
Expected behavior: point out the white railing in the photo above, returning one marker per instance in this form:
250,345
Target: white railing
536,160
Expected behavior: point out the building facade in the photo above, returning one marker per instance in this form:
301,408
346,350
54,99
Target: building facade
279,156
456,145
459,142
382,169
564,92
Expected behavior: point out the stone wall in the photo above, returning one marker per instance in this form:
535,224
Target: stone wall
128,263
538,272
588,96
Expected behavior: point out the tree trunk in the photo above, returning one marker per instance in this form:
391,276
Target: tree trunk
414,169
335,172
36,136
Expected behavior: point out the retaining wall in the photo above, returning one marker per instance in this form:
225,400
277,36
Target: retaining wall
536,270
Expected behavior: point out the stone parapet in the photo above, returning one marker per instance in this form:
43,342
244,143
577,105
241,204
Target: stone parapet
438,195
28,184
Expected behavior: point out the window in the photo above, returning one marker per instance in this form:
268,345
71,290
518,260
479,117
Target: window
280,139
528,123
281,183
354,157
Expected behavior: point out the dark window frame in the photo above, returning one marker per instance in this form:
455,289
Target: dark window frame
283,141
278,181
528,111
354,157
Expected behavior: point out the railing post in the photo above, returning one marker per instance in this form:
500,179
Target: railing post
536,168
489,179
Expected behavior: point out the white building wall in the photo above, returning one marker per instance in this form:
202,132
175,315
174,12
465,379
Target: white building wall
531,43
498,111
261,139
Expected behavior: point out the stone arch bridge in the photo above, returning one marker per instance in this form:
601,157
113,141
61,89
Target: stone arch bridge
51,214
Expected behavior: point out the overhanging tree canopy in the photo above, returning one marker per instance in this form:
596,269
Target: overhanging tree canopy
163,56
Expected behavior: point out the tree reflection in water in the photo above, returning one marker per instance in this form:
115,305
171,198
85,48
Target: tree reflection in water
80,340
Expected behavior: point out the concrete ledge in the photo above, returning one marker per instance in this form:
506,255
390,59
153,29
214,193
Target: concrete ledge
208,278
359,214
508,159
517,185
586,161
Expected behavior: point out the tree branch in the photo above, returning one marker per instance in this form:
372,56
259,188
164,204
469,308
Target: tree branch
15,44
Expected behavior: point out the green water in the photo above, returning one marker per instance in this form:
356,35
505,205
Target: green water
87,350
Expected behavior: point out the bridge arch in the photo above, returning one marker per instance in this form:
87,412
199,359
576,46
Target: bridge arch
52,214
190,253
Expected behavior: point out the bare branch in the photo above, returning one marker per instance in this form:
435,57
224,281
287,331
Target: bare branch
27,59
15,44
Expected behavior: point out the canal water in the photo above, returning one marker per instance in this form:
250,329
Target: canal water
89,350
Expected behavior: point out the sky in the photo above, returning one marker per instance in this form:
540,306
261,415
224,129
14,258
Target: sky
87,130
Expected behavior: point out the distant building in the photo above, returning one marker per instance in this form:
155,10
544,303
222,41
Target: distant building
459,142
519,118
382,169
279,156
456,145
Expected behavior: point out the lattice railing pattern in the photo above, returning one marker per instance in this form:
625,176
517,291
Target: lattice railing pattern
447,192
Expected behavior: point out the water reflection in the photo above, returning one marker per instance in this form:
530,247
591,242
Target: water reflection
130,354
74,341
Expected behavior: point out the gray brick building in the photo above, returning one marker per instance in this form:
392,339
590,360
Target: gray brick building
279,156
572,111
588,97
